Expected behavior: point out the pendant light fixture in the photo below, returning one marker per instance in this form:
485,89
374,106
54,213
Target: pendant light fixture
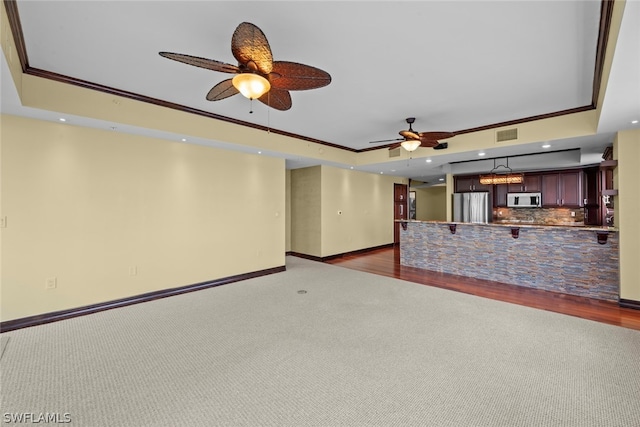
508,177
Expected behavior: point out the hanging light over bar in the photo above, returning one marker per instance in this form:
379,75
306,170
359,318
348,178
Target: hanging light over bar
501,178
510,178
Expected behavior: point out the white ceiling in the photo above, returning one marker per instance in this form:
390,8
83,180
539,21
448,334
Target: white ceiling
454,65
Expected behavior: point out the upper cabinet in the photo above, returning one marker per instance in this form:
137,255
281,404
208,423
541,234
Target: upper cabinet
469,183
562,189
530,184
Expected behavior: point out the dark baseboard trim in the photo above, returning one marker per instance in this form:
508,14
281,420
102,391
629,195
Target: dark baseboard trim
41,319
629,303
332,257
311,257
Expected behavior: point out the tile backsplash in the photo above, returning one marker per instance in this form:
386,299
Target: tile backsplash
545,216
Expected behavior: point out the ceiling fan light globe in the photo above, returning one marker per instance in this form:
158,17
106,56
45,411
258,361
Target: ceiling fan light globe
410,145
251,85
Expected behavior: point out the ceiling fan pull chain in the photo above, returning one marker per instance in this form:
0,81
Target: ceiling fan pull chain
250,105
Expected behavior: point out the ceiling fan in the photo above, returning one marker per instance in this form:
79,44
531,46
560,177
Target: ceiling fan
258,76
411,139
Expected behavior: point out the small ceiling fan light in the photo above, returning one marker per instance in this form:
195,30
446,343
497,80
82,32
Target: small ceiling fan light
251,85
410,144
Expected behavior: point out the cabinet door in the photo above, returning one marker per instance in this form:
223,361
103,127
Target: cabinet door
500,195
532,183
550,186
571,189
515,188
464,184
481,187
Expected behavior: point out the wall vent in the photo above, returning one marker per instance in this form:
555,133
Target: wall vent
395,152
507,135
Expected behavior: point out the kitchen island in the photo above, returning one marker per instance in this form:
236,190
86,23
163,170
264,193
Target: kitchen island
581,261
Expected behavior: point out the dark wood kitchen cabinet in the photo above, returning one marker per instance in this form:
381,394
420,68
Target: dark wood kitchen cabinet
470,183
530,184
562,189
591,191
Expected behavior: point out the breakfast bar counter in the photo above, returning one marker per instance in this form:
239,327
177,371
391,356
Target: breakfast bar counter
576,260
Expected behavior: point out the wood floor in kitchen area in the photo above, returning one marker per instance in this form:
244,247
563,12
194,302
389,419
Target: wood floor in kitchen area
386,262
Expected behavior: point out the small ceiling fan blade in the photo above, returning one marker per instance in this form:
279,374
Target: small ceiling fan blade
294,76
428,143
279,99
409,134
435,136
222,90
386,140
209,64
249,44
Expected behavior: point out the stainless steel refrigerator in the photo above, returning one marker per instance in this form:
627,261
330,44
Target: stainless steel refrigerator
472,207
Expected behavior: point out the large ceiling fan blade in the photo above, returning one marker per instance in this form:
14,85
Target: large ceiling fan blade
279,99
435,136
428,143
222,90
249,44
386,140
209,64
294,76
394,146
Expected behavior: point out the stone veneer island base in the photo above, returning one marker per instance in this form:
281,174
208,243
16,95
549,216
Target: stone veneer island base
571,260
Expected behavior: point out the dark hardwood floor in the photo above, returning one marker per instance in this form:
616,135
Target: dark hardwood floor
386,262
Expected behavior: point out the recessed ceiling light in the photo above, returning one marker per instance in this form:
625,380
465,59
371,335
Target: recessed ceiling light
62,119
634,121
351,167
481,154
428,160
381,173
259,152
546,146
441,179
184,139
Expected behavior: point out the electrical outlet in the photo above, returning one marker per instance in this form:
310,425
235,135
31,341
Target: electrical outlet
573,213
51,283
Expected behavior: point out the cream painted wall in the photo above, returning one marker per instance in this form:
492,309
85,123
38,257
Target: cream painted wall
627,207
431,203
306,200
357,210
112,215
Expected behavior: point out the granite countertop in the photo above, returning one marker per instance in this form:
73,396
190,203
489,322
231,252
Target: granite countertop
578,226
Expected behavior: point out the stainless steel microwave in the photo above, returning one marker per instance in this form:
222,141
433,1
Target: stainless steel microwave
524,200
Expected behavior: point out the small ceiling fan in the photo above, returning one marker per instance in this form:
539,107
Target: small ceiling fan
258,76
411,139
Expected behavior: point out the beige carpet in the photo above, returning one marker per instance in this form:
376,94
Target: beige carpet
355,350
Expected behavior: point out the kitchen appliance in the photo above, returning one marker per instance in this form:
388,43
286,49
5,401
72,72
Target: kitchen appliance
472,207
524,200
